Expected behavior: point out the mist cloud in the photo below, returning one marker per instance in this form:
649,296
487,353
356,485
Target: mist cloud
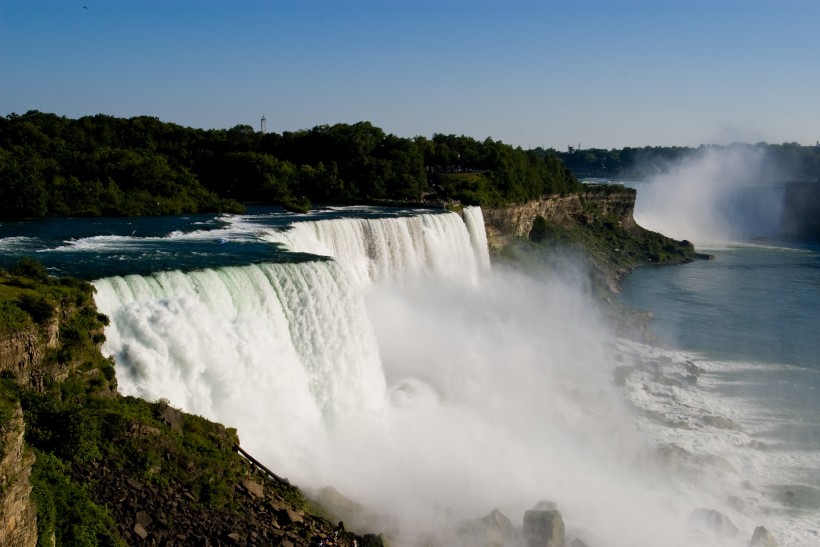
715,195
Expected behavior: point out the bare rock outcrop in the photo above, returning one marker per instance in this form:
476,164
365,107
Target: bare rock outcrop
18,517
515,220
544,528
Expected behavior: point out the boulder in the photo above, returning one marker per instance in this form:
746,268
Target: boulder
546,505
140,530
254,488
494,530
543,528
762,538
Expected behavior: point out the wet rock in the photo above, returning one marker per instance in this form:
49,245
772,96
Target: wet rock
762,538
493,530
545,505
543,528
693,369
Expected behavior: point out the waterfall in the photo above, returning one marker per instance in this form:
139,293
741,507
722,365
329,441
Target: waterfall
292,339
375,250
474,219
289,342
391,368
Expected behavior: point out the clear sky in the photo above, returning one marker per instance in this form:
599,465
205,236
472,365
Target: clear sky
604,73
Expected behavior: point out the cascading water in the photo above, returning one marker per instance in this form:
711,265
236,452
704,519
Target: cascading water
407,375
396,249
292,341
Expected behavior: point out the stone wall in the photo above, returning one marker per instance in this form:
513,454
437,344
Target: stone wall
598,201
18,517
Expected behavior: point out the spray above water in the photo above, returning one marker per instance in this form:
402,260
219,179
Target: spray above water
715,195
414,380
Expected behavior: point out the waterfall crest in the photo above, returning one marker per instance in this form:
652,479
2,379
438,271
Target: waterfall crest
292,341
376,250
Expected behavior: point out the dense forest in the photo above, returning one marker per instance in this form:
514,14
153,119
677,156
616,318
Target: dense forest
101,165
784,162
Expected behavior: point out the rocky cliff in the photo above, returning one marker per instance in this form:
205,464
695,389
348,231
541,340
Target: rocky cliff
596,224
596,203
18,518
22,351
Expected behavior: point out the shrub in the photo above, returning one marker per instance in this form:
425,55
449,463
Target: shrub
37,306
28,267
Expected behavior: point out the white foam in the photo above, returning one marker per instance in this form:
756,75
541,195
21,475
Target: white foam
766,466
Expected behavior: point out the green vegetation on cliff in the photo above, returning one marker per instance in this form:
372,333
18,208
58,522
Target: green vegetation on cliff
594,231
102,458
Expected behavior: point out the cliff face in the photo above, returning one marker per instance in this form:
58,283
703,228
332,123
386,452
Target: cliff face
506,223
21,352
18,518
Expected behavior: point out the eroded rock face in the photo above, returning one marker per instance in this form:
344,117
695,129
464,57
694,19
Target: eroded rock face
18,518
508,222
20,352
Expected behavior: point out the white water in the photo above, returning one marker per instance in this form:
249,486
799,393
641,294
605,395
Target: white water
235,344
375,250
411,378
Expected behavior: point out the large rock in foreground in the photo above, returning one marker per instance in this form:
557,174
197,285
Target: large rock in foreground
543,528
762,538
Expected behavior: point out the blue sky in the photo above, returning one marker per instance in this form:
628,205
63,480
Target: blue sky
605,73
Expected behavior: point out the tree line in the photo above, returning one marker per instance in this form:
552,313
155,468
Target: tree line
101,165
